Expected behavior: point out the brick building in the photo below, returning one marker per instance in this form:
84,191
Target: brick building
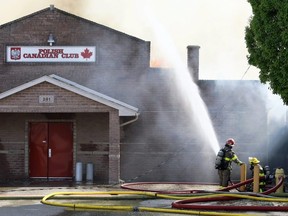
36,103
76,91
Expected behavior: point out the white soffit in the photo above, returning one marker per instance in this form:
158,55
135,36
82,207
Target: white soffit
124,109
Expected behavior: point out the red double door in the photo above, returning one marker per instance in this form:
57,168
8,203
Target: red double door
51,149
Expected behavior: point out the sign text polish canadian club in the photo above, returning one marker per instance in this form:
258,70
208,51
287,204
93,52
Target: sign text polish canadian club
50,54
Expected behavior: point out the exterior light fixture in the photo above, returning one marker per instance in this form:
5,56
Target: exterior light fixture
51,39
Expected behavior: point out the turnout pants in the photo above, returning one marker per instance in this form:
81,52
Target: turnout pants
224,177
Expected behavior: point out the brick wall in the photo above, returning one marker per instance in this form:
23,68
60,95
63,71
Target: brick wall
93,143
117,54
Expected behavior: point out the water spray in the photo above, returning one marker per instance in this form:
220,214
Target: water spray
188,89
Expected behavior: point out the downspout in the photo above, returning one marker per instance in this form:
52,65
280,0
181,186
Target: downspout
131,121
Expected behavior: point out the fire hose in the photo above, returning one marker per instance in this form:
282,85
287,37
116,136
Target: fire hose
129,208
129,186
183,206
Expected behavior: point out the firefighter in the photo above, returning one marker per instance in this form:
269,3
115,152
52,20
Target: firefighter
226,168
262,181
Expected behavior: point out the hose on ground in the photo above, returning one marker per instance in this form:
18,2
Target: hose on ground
46,201
184,205
187,203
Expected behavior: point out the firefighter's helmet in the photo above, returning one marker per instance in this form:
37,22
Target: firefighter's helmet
253,160
230,142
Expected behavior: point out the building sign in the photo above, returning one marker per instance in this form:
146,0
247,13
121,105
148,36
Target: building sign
46,99
50,54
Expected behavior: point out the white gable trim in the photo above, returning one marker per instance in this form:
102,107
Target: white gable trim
124,109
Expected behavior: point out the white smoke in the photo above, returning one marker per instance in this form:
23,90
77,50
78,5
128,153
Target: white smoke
218,26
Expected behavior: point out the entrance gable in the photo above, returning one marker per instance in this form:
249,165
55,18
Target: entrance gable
45,97
56,94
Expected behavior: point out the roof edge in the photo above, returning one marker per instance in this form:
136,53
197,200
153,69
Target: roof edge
72,15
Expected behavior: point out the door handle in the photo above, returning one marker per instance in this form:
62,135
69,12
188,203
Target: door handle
49,153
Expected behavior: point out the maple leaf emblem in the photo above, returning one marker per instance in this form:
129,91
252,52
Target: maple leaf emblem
86,54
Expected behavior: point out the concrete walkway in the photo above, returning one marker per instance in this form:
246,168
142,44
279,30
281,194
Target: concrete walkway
39,189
